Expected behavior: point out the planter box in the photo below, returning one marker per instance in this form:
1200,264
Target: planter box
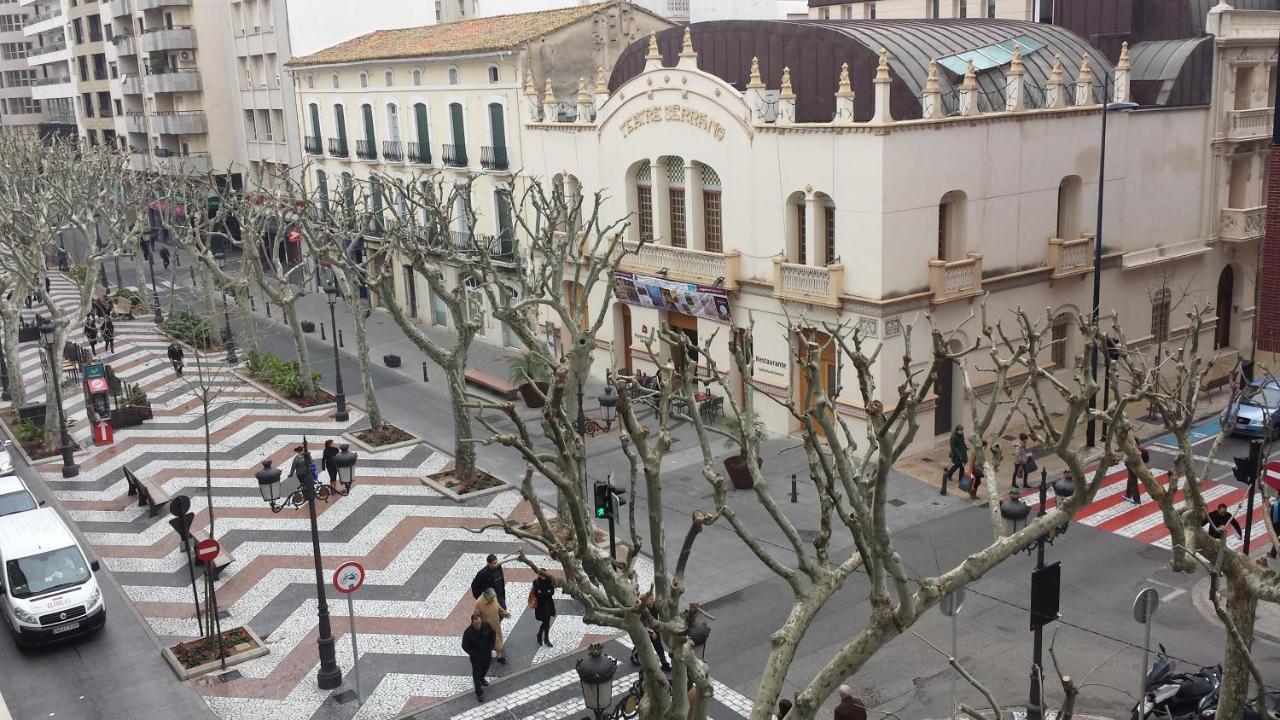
308,326
351,438
391,361
130,416
284,400
28,334
252,652
435,481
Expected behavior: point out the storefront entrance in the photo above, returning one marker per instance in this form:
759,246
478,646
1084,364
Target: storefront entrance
686,325
814,341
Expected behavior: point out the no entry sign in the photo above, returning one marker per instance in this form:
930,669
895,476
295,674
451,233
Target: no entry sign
1272,475
348,577
207,550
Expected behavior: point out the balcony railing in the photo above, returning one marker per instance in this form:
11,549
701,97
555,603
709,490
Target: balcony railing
1249,124
808,283
955,279
1070,257
181,122
338,147
676,263
493,158
393,150
56,12
174,38
125,44
51,80
158,4
173,80
455,155
366,150
1242,225
419,153
135,122
312,145
130,84
46,49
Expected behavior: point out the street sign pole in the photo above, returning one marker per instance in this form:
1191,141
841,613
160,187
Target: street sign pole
355,652
950,606
1144,610
347,579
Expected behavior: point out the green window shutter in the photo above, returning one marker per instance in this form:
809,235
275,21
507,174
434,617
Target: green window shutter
315,120
369,135
341,121
459,131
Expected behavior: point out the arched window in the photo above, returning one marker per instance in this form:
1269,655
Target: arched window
675,193
453,75
336,82
797,229
389,78
493,73
314,111
311,82
417,77
644,201
364,80
370,142
712,226
951,225
393,122
1069,208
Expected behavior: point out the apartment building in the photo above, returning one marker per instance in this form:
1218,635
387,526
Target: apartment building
48,56
18,110
95,107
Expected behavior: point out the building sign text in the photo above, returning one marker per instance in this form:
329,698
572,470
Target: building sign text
673,113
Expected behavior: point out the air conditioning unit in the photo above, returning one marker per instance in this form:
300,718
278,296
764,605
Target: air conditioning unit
186,55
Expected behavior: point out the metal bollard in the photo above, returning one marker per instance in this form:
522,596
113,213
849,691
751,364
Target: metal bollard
340,338
177,257
253,307
322,331
268,304
192,268
794,496
424,372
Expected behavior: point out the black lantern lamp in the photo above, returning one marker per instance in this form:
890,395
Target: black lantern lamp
346,462
698,635
269,483
1015,514
595,674
608,401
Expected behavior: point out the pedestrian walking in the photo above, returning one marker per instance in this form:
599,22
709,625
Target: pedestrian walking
175,357
544,606
330,465
48,285
654,636
976,473
164,257
493,614
1219,518
109,335
477,642
849,707
62,260
959,455
91,333
1132,490
490,577
1021,455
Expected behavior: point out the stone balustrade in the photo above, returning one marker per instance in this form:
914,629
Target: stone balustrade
677,263
1070,257
812,284
1242,224
955,279
1249,124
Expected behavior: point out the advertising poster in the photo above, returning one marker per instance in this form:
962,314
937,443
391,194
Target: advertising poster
708,303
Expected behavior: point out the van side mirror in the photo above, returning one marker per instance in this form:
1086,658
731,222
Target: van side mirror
95,566
40,503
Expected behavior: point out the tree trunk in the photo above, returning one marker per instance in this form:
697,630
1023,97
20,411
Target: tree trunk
357,308
299,340
464,451
785,642
17,389
1241,607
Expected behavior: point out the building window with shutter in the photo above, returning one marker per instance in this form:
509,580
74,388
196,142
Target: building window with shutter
829,229
1160,315
801,233
644,202
1058,340
712,234
675,192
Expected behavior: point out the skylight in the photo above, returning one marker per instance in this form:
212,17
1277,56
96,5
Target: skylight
990,56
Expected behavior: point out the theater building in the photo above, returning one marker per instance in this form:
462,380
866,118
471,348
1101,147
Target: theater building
876,173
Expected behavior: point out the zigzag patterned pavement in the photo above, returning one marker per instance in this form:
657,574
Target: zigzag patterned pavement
420,548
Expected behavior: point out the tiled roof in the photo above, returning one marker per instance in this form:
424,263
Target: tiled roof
501,32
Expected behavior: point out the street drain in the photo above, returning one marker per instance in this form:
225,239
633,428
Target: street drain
896,502
230,675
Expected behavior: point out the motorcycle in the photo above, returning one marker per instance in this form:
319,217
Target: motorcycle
1251,711
1178,696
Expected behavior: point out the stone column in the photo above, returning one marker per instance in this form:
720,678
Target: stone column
1053,95
883,116
786,100
1014,101
969,91
812,229
844,98
1084,84
661,201
754,95
694,223
549,104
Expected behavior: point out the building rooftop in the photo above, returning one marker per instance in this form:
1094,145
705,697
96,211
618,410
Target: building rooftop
465,37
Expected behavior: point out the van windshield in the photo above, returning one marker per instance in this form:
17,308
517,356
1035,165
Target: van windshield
38,574
16,502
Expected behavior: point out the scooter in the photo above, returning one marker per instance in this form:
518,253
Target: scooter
1178,696
1251,711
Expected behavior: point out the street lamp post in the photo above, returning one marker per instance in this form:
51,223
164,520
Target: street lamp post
102,269
48,335
595,675
341,414
608,401
309,490
1107,108
155,289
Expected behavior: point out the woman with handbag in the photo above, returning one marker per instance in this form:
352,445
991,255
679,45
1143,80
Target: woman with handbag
1023,463
544,606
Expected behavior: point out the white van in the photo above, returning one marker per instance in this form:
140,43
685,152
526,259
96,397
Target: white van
15,497
49,591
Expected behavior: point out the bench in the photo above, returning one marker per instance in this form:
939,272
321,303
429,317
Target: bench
505,389
1221,381
221,561
152,496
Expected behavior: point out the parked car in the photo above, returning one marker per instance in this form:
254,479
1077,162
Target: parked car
1256,413
6,460
48,590
15,497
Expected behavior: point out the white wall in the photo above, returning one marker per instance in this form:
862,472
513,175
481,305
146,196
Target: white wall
702,10
317,24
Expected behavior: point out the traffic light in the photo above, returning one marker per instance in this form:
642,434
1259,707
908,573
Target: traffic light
615,495
604,506
1246,469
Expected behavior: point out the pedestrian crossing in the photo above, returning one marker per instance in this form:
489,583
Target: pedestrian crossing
1111,512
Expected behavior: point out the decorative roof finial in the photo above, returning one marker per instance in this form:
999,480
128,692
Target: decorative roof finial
882,68
970,76
653,53
1086,72
1123,62
583,98
931,84
528,83
602,86
1016,67
548,97
1055,76
786,93
686,48
754,81
845,89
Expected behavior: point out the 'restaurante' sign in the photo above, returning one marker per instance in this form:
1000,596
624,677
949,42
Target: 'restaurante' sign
673,113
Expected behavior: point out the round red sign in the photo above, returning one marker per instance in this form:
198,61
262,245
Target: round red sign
348,577
207,550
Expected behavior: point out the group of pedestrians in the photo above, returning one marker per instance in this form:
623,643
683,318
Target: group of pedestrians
970,464
104,327
482,640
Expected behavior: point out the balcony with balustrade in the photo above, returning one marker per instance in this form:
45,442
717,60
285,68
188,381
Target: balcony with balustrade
311,144
182,164
455,155
131,84
677,263
1252,124
955,279
393,150
166,39
173,80
180,122
338,147
419,153
1242,224
126,44
54,52
366,150
117,8
135,122
1070,257
494,158
161,4
811,284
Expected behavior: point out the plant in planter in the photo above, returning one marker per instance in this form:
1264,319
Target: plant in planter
308,326
531,371
190,328
736,465
134,408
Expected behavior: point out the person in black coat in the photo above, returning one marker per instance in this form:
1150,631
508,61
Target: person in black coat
544,609
490,576
477,643
175,357
331,467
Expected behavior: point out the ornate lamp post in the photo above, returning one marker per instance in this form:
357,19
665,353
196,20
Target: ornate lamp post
608,401
47,337
341,414
595,674
309,490
227,338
